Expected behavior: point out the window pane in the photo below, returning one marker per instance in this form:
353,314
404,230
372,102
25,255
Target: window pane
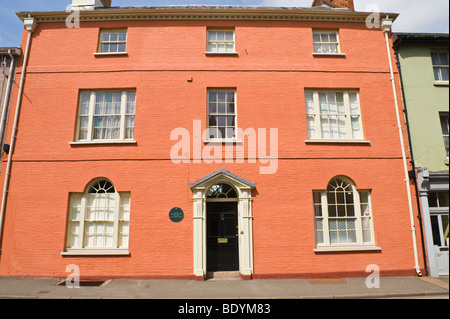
114,36
310,121
325,37
435,230
122,36
333,37
444,73
122,47
211,47
435,58
212,35
316,37
443,199
443,58
437,74
445,124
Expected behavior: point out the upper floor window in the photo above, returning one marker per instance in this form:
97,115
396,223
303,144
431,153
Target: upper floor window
98,218
220,41
113,41
445,130
326,42
343,215
440,66
106,115
333,115
221,114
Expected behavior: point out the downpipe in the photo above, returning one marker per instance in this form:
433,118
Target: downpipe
30,25
5,110
386,28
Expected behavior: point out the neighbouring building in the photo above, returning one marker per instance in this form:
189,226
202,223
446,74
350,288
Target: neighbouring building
423,63
171,142
8,62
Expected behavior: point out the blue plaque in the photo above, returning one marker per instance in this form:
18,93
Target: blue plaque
176,214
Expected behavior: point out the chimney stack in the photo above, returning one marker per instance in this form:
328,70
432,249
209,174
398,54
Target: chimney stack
345,4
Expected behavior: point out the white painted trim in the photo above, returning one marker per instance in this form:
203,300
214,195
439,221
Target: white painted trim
329,54
92,252
337,141
346,248
103,142
221,53
110,53
245,223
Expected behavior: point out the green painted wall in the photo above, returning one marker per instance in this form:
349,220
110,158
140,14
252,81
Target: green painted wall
424,100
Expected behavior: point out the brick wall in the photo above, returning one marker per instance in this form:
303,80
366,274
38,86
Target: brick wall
274,66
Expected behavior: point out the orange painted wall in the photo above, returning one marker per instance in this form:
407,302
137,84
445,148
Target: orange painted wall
274,66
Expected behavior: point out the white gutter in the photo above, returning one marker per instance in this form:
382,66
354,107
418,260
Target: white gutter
7,99
30,25
386,25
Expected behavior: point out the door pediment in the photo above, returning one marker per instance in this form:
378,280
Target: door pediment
223,176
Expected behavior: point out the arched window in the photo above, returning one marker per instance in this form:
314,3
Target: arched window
342,215
99,218
221,191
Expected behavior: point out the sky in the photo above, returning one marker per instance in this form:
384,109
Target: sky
421,16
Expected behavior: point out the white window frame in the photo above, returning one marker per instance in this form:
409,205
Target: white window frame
443,117
360,244
337,43
440,67
78,206
316,115
223,139
109,42
90,126
217,42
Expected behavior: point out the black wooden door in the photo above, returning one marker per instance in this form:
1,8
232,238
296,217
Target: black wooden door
222,239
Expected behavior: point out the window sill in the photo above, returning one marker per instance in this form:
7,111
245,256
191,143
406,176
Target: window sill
102,142
100,54
96,252
336,141
441,83
222,53
223,141
345,248
341,55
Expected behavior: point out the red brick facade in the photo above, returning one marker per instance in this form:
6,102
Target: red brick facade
167,66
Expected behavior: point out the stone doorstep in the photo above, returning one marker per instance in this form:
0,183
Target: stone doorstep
223,275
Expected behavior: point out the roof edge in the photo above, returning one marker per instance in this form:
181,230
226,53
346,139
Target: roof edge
207,13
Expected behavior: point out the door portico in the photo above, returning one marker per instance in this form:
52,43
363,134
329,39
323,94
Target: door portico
243,189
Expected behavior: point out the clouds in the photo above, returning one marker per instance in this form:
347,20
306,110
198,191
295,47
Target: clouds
415,15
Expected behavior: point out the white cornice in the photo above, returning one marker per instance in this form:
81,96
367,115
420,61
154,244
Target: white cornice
205,13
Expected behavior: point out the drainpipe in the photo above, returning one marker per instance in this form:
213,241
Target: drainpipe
386,28
413,165
7,99
30,25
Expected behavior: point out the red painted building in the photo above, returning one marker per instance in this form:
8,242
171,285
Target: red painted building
168,142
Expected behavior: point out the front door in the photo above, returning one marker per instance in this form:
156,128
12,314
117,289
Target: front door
222,236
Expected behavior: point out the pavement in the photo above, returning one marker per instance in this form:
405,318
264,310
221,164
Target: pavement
346,288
